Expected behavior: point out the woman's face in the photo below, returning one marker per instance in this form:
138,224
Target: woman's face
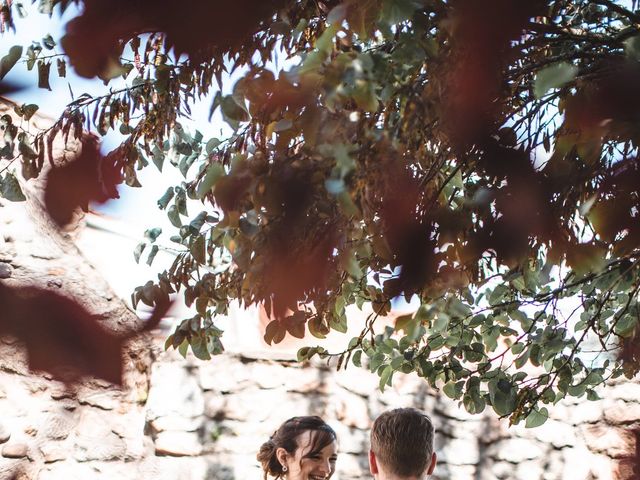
307,465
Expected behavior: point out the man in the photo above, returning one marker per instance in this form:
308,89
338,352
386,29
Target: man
402,446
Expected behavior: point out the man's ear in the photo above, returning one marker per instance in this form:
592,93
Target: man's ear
434,460
373,465
281,455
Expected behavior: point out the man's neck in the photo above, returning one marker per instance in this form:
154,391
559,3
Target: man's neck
391,476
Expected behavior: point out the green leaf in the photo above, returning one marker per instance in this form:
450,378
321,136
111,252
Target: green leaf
357,358
186,163
453,390
48,42
22,13
196,224
197,249
317,328
408,324
214,172
183,348
625,325
592,395
181,201
536,417
503,396
166,198
324,44
306,353
199,348
137,252
152,234
9,60
376,361
396,11
152,254
633,47
10,188
157,156
337,14
232,112
214,345
211,145
174,216
441,323
282,125
385,377
553,76
339,323
498,294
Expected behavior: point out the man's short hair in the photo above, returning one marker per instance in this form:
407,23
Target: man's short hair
402,440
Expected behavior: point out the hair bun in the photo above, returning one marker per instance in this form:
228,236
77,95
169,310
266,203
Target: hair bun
266,450
267,458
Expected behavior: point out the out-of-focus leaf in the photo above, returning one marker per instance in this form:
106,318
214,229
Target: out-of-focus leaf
9,60
62,67
48,42
232,112
89,178
29,110
166,198
174,216
10,188
152,234
197,249
62,338
211,145
43,74
554,76
137,252
152,254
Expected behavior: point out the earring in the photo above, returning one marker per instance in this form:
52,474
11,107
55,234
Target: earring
284,468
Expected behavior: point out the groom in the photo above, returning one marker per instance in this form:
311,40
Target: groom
402,446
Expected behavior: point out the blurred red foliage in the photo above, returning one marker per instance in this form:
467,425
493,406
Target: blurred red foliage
95,40
89,178
480,32
628,467
61,336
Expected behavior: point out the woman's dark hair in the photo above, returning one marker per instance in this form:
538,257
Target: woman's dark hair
285,437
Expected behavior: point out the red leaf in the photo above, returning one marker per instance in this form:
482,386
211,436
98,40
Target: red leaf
89,178
62,337
95,39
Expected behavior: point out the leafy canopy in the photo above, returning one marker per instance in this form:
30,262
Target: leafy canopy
480,156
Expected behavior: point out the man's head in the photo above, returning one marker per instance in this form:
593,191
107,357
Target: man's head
402,445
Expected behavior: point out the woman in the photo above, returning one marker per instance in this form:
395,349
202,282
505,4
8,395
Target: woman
303,448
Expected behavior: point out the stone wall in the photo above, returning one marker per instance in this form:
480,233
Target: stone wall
198,420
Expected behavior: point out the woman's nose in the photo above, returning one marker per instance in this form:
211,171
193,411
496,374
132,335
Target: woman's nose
325,467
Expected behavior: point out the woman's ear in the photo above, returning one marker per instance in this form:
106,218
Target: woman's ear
281,455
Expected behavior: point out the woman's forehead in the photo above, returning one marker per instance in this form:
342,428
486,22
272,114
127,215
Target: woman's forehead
306,440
